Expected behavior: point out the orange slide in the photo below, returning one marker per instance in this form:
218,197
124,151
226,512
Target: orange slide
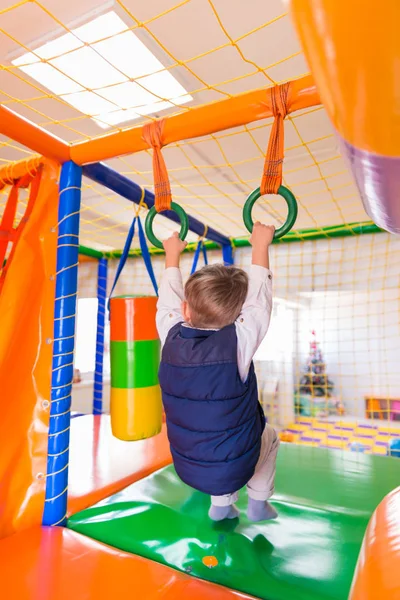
26,350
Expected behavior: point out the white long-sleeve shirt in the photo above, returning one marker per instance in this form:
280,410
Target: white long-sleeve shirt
251,325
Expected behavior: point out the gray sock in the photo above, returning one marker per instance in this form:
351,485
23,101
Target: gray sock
260,510
219,513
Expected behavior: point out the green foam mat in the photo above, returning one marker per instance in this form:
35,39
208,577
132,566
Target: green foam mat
324,499
134,364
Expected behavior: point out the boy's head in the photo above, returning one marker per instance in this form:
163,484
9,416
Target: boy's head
214,296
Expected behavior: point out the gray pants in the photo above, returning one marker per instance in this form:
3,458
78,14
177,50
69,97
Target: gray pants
261,485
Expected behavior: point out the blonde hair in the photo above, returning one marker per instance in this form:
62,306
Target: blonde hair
215,295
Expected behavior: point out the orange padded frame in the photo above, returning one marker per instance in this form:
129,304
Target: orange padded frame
199,121
203,120
30,135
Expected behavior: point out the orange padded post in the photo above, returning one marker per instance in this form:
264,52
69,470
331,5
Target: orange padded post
377,573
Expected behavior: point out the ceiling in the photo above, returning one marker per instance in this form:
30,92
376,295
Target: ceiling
214,49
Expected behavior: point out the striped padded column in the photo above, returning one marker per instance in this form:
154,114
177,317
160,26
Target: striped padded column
136,409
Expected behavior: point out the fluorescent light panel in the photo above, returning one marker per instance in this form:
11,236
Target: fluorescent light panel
107,66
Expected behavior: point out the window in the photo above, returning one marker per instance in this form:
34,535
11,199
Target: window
279,338
85,340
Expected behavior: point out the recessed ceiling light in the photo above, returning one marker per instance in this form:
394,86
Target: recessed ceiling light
97,79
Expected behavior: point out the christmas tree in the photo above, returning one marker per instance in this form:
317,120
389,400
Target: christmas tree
315,382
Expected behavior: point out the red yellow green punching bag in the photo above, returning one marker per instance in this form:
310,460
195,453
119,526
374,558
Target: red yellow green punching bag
136,409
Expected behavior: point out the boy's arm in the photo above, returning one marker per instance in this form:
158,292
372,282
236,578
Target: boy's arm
170,293
253,322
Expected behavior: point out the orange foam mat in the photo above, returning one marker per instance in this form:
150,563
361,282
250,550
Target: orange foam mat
53,563
101,465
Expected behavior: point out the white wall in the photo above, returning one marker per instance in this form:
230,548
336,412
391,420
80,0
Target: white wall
353,303
82,396
360,340
274,363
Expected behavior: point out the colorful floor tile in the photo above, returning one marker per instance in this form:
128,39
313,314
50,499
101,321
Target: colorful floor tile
341,435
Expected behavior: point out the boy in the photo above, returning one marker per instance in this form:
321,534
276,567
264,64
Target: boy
218,436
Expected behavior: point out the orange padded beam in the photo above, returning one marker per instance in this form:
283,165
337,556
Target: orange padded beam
32,136
203,120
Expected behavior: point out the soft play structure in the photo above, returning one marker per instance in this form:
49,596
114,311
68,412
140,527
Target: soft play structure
91,507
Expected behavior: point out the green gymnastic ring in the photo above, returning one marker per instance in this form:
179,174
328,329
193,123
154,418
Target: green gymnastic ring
292,211
149,224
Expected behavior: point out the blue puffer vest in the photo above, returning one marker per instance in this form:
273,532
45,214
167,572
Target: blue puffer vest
214,420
